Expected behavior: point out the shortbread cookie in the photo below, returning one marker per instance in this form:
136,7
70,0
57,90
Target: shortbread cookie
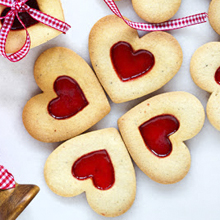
154,132
97,163
156,11
127,66
205,71
39,33
72,99
214,16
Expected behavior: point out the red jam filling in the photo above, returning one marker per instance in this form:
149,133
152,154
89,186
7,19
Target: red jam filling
70,100
156,131
130,64
24,16
96,165
217,76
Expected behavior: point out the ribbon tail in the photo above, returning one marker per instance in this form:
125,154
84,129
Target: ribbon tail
49,20
181,22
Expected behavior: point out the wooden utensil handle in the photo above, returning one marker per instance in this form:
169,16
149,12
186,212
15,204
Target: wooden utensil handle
14,201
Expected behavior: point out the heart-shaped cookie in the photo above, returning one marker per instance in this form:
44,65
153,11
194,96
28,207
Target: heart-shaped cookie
72,99
97,163
213,15
204,68
154,131
39,33
127,66
156,11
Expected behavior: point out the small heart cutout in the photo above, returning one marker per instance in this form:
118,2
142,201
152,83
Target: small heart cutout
70,100
96,165
130,64
156,132
217,76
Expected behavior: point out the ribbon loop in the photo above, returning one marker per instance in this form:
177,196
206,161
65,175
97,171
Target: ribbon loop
17,5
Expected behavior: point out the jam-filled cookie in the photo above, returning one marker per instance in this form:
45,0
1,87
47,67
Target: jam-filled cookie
156,11
154,132
39,33
205,72
72,99
97,163
214,16
127,66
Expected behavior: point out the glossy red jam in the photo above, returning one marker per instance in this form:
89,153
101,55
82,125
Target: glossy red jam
130,64
217,76
70,100
96,165
156,131
24,16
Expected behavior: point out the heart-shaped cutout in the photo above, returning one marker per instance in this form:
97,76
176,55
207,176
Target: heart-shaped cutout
70,100
96,165
24,16
130,64
217,76
156,131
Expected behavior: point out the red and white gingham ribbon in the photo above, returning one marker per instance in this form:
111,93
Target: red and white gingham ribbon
6,179
165,26
20,6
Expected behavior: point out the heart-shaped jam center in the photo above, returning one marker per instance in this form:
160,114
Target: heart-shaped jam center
24,16
130,64
70,100
96,165
217,76
156,131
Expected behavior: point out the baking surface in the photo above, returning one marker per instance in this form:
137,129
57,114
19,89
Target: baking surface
197,196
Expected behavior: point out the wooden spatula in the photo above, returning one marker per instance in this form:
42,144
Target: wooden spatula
14,201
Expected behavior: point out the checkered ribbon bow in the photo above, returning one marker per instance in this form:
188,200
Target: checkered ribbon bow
6,179
20,6
165,26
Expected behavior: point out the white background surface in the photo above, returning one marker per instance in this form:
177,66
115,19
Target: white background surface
197,196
